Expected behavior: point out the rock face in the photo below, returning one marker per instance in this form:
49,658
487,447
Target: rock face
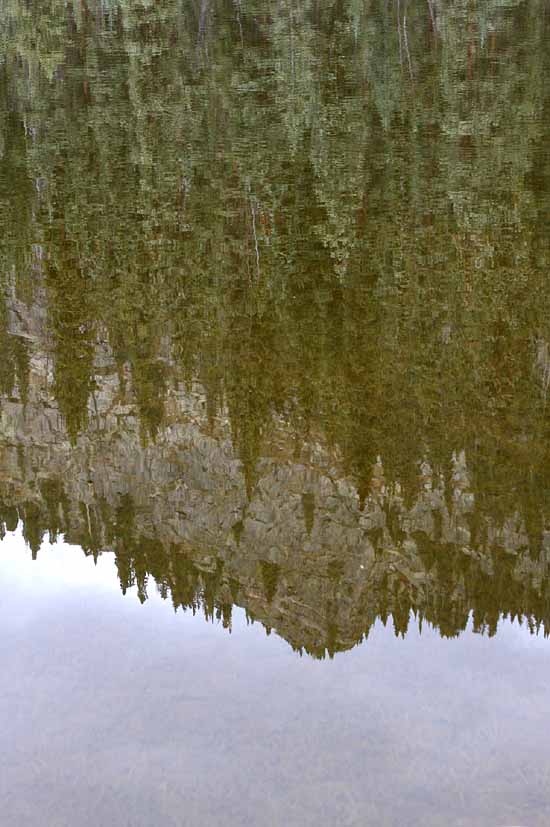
297,545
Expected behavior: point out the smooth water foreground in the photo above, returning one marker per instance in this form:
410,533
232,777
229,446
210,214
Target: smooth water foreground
274,419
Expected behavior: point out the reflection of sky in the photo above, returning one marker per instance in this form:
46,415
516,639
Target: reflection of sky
58,567
117,713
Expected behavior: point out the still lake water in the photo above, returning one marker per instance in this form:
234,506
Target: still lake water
274,416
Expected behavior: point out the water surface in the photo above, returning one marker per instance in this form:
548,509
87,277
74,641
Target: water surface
275,353
118,713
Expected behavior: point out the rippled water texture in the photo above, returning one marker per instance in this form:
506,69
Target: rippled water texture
275,353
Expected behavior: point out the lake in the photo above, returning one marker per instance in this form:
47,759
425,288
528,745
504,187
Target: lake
274,414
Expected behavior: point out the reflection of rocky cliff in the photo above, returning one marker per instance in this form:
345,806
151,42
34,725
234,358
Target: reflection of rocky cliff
299,548
274,310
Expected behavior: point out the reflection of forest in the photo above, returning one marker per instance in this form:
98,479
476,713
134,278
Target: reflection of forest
274,317
299,546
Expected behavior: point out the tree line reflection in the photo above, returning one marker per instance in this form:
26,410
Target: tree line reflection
321,601
334,222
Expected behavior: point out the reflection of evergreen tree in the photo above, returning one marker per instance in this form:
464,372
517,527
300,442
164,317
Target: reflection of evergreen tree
55,501
270,573
34,526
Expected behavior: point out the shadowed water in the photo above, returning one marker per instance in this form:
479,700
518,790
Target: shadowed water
275,347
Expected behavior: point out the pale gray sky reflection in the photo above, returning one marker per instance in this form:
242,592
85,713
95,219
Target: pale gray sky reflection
118,713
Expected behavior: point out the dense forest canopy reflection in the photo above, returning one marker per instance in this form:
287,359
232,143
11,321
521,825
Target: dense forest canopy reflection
275,309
